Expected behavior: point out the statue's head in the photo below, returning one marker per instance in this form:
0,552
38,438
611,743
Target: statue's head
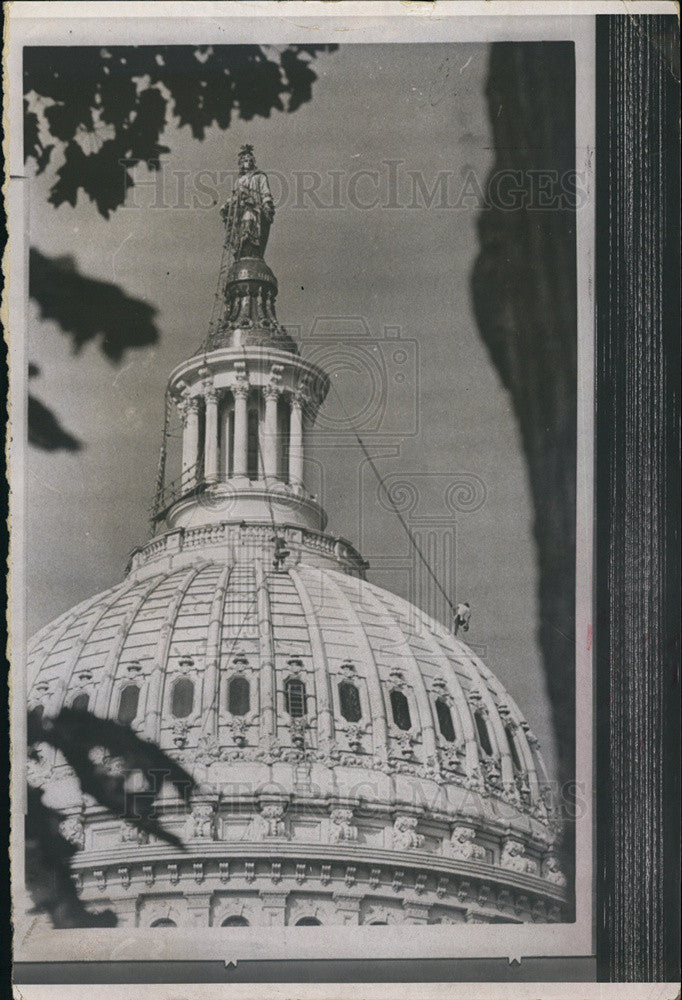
246,160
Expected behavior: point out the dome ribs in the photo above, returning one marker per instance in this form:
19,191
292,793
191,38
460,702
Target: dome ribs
521,740
102,706
38,657
374,689
268,680
496,733
323,692
460,704
211,692
153,706
84,638
426,720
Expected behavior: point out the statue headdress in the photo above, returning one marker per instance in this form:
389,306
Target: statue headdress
245,150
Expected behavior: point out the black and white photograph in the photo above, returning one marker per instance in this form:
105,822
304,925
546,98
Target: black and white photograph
302,473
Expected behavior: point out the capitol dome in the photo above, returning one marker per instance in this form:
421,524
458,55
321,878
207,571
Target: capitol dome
355,761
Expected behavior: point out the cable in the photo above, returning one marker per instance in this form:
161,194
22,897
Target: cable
393,505
161,467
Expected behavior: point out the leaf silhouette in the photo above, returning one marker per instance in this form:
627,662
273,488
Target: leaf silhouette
104,106
87,308
48,871
76,733
45,430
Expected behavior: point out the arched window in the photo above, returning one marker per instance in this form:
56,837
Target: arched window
80,703
127,706
349,697
252,445
483,736
235,922
445,720
182,701
379,923
400,709
308,922
516,763
238,699
294,697
164,922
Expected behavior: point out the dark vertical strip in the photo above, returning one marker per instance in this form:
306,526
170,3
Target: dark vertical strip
638,498
524,294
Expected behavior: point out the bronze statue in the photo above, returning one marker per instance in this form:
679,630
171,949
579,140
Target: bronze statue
250,209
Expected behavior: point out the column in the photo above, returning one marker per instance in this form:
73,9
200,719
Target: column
190,442
271,393
241,392
227,443
211,435
296,441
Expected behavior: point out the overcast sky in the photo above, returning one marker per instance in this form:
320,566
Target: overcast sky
345,273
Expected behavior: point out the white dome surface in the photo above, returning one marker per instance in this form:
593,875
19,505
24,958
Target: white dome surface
360,730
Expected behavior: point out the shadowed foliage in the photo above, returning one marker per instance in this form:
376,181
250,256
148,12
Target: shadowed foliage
44,428
87,109
48,871
524,292
78,736
102,106
87,309
45,431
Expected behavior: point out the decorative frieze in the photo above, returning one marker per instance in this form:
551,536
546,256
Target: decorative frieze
552,872
341,826
201,823
462,845
404,834
514,858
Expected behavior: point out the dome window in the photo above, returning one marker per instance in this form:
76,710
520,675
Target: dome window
349,697
80,703
238,696
182,701
482,730
401,710
294,697
163,922
445,720
516,763
308,922
235,922
127,706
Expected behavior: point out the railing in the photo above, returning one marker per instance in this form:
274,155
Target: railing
190,483
337,550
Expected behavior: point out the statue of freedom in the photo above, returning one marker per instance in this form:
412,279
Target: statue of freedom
250,209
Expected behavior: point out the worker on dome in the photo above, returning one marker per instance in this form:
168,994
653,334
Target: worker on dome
250,209
462,617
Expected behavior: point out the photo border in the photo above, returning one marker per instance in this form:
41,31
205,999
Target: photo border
653,952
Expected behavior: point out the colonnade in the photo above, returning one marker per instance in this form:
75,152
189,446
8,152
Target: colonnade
216,424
